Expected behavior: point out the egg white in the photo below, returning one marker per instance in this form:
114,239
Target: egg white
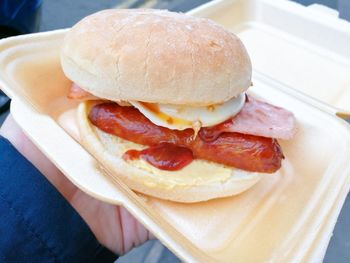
180,117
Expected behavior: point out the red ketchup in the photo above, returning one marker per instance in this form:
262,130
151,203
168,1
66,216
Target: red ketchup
164,156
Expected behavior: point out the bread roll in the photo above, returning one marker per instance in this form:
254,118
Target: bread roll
155,56
174,186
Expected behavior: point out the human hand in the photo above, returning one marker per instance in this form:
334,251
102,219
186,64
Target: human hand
112,225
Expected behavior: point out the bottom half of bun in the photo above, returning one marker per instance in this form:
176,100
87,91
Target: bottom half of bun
199,181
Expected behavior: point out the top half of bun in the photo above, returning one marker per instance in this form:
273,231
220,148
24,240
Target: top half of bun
155,56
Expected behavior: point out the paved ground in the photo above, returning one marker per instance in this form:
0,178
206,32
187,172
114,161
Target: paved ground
64,13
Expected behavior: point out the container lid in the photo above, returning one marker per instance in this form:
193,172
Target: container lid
305,48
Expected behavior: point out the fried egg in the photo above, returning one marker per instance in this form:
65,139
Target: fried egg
180,117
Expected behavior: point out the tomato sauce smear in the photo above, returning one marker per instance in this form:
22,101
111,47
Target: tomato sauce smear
246,152
164,156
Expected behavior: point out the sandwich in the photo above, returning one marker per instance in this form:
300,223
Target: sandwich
163,104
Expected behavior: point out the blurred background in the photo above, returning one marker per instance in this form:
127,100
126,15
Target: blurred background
25,16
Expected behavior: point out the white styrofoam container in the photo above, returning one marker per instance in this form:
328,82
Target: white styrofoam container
301,61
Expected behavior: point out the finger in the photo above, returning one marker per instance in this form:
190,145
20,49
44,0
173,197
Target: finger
134,233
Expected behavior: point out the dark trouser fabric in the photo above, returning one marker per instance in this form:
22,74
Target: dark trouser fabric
36,223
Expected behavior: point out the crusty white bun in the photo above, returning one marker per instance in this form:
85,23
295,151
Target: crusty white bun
155,56
199,181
